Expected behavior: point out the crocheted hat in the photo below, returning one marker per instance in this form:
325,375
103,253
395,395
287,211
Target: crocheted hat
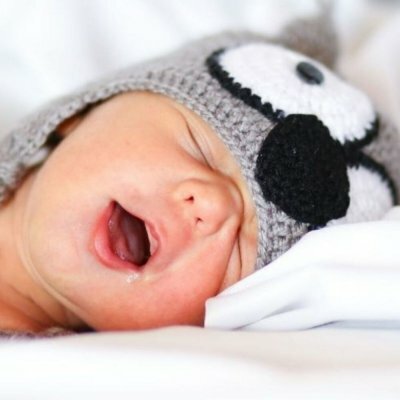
309,145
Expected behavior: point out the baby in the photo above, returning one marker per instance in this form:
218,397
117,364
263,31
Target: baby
144,194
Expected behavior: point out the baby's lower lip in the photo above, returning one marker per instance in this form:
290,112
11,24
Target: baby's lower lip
102,245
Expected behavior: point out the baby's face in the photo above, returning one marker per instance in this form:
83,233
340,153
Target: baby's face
139,216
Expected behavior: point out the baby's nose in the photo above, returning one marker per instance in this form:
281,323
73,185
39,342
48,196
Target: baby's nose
207,205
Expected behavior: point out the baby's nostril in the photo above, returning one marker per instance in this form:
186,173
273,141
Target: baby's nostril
309,73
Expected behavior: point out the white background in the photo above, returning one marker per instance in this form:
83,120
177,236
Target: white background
49,47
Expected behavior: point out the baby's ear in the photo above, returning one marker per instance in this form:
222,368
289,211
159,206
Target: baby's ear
315,36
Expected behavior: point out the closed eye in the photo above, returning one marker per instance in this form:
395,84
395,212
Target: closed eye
201,149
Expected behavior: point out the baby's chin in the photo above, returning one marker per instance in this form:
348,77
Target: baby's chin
116,300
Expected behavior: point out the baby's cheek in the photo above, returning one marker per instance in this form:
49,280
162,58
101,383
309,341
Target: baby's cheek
177,295
186,295
180,296
174,297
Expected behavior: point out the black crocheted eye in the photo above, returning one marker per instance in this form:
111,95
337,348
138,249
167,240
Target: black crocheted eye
302,170
309,73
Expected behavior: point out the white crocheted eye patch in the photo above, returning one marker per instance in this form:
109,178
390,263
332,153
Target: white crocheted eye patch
370,197
299,167
272,73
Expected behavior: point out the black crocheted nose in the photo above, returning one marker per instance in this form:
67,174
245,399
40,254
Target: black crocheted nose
309,73
302,170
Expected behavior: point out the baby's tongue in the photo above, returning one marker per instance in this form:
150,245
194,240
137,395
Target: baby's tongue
128,236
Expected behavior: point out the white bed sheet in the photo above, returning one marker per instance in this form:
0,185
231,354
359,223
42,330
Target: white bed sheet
194,363
345,274
48,47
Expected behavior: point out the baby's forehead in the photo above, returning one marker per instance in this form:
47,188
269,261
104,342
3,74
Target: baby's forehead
140,113
145,97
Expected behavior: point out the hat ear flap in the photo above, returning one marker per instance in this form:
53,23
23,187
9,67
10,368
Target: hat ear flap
315,36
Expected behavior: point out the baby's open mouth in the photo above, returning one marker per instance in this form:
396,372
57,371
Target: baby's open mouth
122,240
128,236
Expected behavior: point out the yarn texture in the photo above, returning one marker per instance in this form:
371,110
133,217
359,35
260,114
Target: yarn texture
292,125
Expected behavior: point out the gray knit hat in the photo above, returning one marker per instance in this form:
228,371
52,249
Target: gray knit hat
310,146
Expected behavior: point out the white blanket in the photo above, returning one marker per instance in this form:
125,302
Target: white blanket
193,363
348,274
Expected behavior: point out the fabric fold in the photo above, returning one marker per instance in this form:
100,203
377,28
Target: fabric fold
342,274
